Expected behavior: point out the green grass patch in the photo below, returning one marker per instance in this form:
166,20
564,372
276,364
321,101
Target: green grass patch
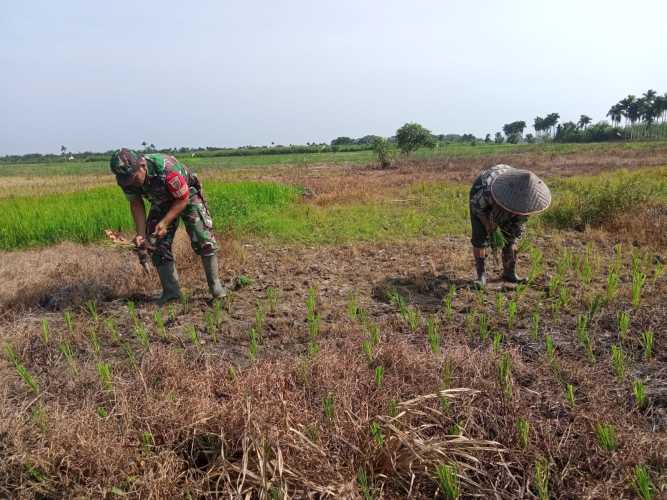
594,200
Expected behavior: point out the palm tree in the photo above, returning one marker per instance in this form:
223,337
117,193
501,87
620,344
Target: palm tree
584,121
615,114
63,150
538,125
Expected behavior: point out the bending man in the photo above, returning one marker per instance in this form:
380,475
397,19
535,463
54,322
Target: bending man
174,192
503,197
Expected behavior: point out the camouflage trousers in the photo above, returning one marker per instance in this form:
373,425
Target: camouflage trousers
198,224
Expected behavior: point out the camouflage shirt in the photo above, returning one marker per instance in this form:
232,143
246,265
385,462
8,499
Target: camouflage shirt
482,203
167,180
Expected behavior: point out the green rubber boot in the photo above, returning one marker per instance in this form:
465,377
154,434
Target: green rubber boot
169,280
210,263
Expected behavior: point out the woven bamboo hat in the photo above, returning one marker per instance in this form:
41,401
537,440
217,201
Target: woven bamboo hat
521,192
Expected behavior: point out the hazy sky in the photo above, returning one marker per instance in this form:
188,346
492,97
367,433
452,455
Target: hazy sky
100,75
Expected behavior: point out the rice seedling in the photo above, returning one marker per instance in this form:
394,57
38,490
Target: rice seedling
480,298
67,316
564,297
374,333
535,325
243,281
638,282
110,326
259,319
364,485
66,349
555,282
102,412
623,325
393,408
185,303
511,313
132,312
147,440
642,482
95,342
21,370
376,433
505,374
500,303
379,376
618,361
606,436
271,299
658,271
569,395
352,306
141,334
497,239
39,418
456,429
448,481
639,393
362,316
211,328
171,310
311,301
536,264
129,353
252,347
497,341
91,308
612,284
522,429
550,348
646,341
367,347
433,334
159,324
541,478
520,290
447,375
448,303
45,331
596,304
193,335
584,337
413,318
618,257
469,322
217,312
586,270
483,327
105,376
328,407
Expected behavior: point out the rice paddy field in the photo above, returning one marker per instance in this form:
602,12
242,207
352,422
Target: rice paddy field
352,358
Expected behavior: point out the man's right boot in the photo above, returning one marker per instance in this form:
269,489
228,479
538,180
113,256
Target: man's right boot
480,267
169,280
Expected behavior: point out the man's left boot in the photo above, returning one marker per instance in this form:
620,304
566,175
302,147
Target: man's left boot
509,266
210,263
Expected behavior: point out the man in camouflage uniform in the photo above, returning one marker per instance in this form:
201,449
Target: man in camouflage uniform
174,192
503,197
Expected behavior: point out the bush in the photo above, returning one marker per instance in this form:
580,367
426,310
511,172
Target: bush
411,136
382,151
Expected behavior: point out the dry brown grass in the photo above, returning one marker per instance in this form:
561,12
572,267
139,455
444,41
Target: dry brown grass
262,430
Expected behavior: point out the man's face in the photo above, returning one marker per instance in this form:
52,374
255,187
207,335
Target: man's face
139,176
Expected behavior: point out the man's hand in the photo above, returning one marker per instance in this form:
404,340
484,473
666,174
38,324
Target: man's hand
139,241
160,229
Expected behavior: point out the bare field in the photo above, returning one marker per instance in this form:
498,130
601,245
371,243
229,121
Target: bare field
363,370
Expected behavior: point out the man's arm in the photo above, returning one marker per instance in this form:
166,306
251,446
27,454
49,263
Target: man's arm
174,211
139,215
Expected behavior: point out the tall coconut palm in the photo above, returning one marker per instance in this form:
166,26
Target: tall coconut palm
538,125
584,121
615,114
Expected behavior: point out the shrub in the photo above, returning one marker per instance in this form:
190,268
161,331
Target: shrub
412,136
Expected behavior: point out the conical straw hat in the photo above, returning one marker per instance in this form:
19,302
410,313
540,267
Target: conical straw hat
520,192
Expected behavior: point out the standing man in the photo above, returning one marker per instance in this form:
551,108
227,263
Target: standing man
503,197
174,192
